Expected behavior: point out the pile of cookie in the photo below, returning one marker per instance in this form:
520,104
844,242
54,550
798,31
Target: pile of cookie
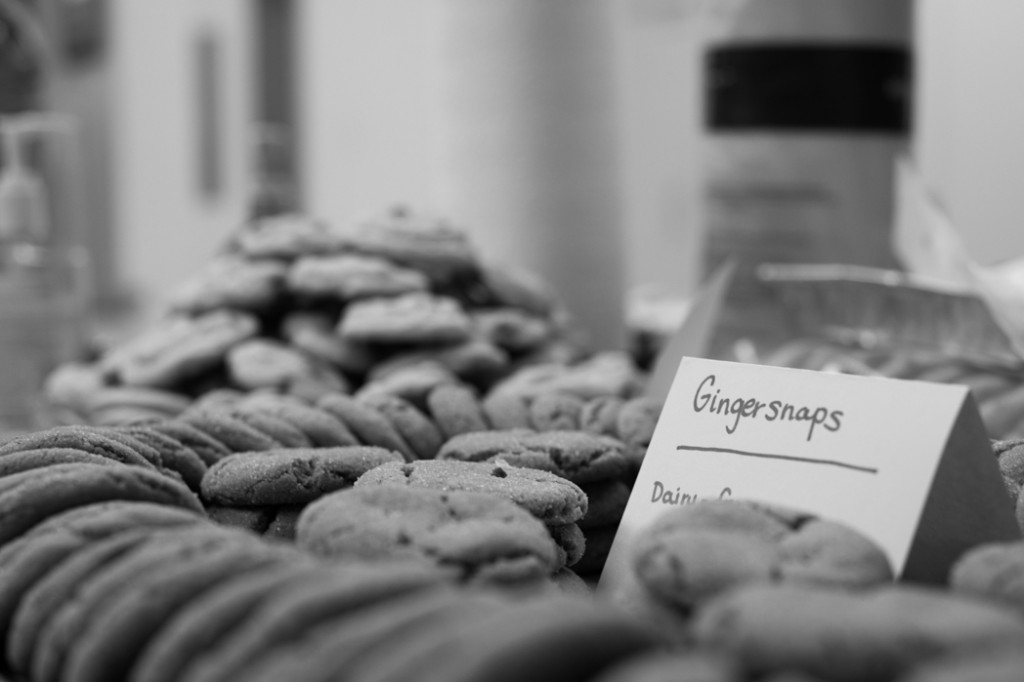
397,304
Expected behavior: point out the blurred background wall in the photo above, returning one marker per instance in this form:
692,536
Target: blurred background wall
374,94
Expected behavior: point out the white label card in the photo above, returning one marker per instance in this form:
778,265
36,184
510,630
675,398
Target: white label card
863,451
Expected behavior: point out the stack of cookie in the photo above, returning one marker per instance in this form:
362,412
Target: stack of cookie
398,304
598,465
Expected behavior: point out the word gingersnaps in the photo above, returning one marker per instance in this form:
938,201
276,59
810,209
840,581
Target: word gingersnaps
709,399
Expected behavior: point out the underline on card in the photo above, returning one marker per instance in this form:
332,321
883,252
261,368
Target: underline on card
788,458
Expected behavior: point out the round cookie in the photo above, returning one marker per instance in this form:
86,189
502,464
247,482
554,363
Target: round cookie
277,428
201,625
550,498
992,571
368,425
335,650
123,624
313,333
513,329
173,454
570,541
79,438
455,409
179,348
466,530
234,433
427,243
348,276
555,412
288,236
262,363
418,317
17,462
30,557
574,455
49,491
411,424
636,420
601,415
289,476
840,635
413,382
696,551
558,637
506,411
58,637
48,594
475,360
295,609
207,447
322,427
230,282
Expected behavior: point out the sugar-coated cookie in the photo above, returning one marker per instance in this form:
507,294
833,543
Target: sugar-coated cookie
552,499
289,476
418,317
456,409
265,363
469,531
415,427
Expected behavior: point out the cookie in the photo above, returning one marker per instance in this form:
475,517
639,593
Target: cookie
568,581
416,239
513,329
412,425
475,361
506,411
517,288
322,427
173,454
606,502
456,409
337,648
536,639
368,425
570,541
230,282
64,486
207,447
410,382
349,276
50,592
179,348
600,415
556,412
288,236
992,571
264,363
289,476
637,419
604,373
840,635
574,455
285,522
59,635
313,333
29,558
253,519
693,552
418,317
83,438
550,498
17,462
123,625
295,609
234,433
201,625
277,428
461,529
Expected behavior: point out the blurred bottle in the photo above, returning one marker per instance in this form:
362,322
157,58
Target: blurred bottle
806,107
44,269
